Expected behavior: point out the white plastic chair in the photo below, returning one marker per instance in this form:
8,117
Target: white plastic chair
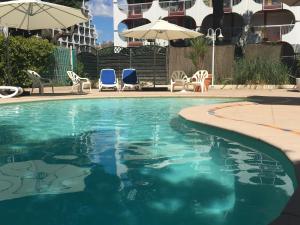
10,91
79,82
198,79
178,78
39,82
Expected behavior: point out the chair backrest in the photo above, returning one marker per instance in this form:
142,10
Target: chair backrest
74,77
200,76
178,75
129,76
108,76
34,76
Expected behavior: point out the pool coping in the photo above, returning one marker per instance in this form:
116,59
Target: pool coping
287,141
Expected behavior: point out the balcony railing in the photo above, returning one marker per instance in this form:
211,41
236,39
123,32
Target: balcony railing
227,4
272,32
135,10
270,4
176,7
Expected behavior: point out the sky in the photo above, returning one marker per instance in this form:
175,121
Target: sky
102,11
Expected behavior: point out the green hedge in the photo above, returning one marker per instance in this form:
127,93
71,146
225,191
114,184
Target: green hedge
260,71
24,53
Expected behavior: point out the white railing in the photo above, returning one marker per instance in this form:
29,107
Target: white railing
176,6
135,9
270,4
273,32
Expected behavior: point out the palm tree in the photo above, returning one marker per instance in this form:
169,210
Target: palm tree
198,51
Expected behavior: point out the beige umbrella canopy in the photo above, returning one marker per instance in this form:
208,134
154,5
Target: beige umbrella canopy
291,2
36,14
161,29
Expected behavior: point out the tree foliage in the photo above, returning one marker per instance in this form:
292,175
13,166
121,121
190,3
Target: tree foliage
22,54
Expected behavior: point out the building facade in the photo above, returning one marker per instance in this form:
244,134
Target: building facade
261,20
84,35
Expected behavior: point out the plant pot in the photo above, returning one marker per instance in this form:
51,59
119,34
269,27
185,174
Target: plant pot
207,82
298,83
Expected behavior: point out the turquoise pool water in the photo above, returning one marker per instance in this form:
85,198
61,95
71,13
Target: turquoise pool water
132,162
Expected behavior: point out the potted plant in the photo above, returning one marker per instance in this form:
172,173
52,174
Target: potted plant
199,48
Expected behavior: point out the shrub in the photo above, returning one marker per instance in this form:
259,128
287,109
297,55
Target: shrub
24,53
260,71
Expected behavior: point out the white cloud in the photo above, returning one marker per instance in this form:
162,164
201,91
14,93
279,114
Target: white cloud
101,7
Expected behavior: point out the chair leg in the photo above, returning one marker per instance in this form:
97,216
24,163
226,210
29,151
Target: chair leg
32,90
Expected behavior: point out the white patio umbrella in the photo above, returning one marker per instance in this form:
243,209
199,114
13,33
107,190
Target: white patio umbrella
162,30
36,14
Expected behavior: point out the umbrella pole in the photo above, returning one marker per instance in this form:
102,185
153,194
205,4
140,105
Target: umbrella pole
154,69
167,60
130,58
71,58
7,61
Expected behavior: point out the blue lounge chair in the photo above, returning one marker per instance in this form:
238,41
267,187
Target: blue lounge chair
130,79
108,79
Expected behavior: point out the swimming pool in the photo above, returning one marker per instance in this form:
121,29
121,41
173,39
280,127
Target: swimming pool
133,162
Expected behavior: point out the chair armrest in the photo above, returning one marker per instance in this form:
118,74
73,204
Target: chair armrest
45,79
85,79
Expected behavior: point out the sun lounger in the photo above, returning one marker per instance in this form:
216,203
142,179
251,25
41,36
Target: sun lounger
108,79
39,82
129,79
10,91
79,82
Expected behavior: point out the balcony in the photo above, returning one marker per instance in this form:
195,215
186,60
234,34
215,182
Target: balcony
272,33
176,8
270,4
227,4
134,11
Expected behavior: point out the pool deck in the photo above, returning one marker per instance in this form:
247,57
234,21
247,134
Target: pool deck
272,116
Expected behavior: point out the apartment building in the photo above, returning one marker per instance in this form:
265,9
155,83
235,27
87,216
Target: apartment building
263,20
84,34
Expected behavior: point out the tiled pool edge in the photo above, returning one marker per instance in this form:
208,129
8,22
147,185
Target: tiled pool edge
206,115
